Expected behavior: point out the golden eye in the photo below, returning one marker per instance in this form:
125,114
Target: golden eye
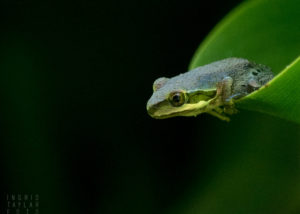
177,98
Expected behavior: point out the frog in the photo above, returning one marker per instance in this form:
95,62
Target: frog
213,88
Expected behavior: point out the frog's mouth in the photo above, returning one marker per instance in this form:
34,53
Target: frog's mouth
164,110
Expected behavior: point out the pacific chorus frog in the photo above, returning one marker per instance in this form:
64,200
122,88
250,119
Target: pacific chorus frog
211,88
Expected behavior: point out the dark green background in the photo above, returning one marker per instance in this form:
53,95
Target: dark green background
74,81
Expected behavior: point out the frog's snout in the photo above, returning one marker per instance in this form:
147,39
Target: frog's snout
151,109
156,105
154,108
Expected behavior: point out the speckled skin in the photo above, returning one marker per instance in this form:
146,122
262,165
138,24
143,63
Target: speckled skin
246,77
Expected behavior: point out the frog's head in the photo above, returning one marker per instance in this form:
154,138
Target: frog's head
174,97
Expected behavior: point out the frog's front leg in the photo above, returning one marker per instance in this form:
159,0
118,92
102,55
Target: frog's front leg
223,92
224,98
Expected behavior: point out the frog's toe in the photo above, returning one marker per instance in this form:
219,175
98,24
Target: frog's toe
230,110
220,116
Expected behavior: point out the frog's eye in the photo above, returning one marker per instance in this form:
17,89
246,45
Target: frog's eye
177,98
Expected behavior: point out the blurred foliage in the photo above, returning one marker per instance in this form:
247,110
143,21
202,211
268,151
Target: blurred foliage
267,32
255,164
74,82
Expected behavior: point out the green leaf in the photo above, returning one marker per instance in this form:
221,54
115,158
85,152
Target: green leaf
267,32
280,97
